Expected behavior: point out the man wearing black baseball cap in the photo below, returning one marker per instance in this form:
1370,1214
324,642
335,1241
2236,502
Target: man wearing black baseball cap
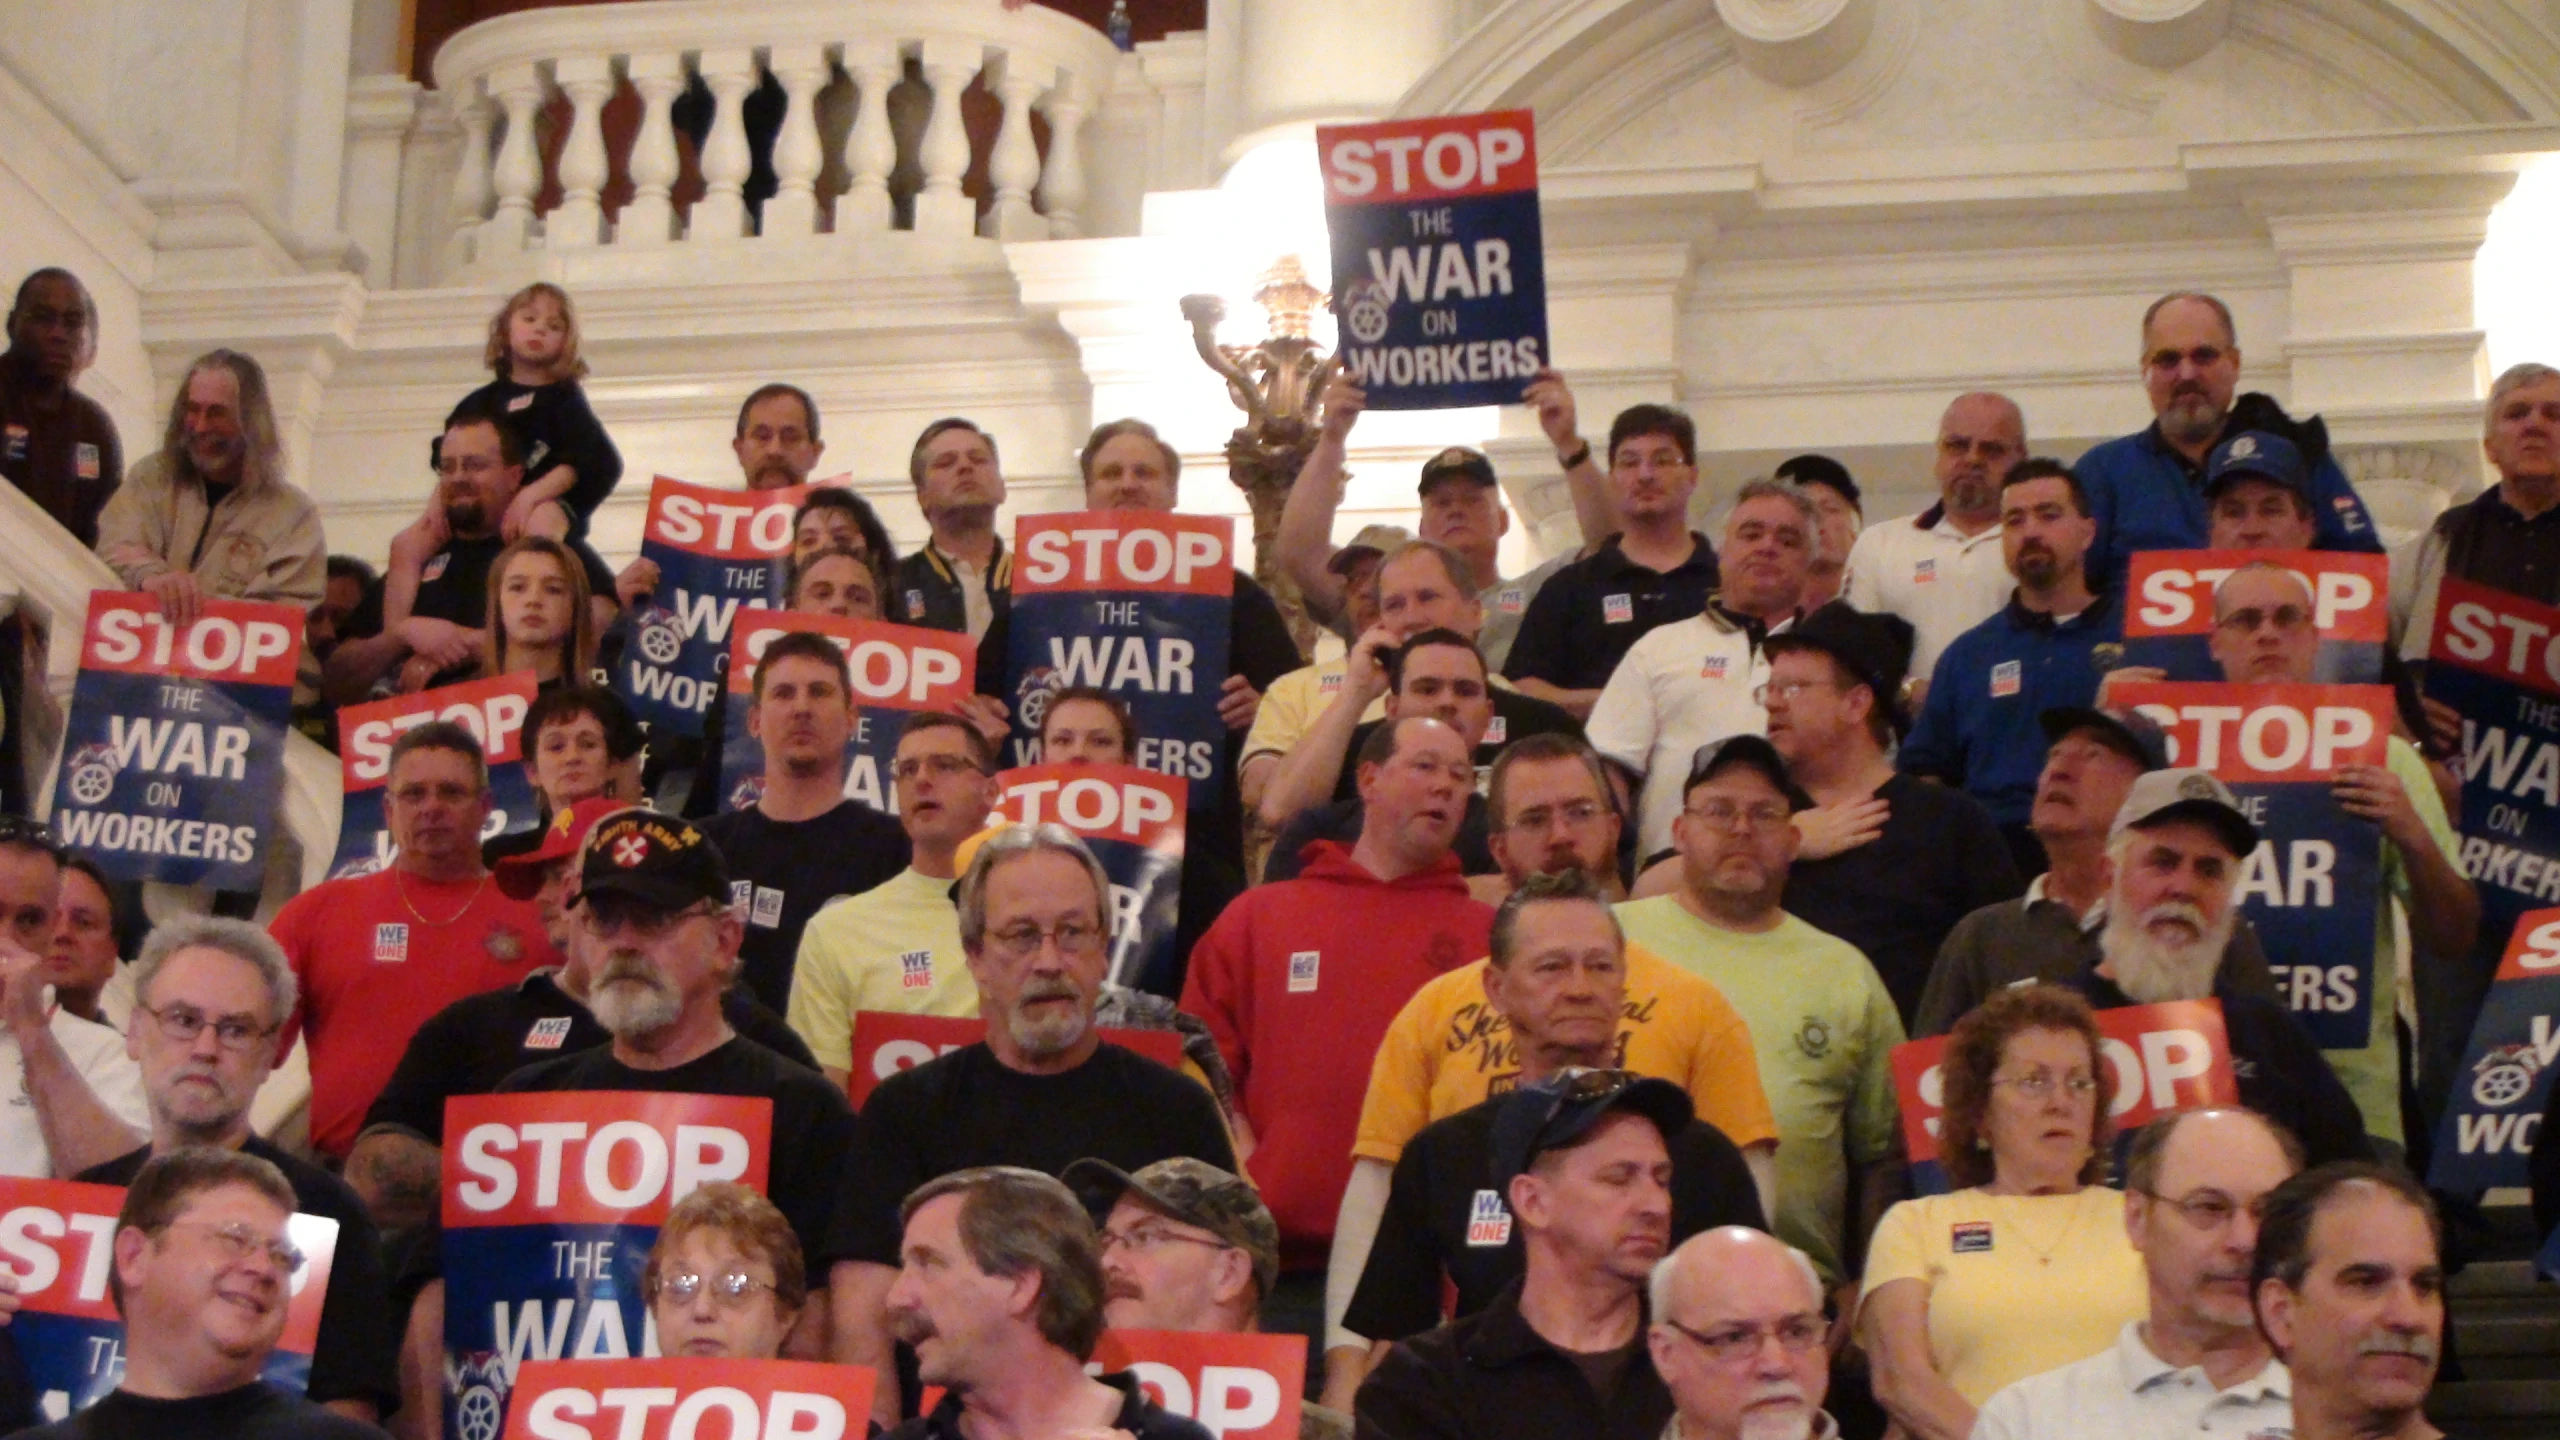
1581,1168
2258,491
1891,862
2051,932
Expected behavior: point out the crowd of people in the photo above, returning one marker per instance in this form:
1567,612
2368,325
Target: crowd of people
1536,985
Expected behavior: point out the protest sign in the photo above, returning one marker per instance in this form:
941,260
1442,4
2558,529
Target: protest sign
676,1399
1135,603
2169,622
1238,1386
1132,821
2311,886
2164,1058
58,1237
1439,271
2491,1121
717,551
173,754
2495,659
897,670
551,1202
492,710
887,1041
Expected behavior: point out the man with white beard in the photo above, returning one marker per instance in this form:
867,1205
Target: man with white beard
1718,1301
653,911
2176,851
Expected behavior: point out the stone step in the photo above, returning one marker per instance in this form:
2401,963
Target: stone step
2497,1409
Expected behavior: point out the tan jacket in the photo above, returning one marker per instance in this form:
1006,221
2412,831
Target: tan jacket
262,542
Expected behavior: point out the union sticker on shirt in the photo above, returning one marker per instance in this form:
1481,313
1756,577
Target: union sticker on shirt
1498,731
1302,971
1924,573
1714,668
549,1033
915,970
1488,1221
390,943
435,567
84,460
2007,679
768,907
1511,600
1617,609
1972,1237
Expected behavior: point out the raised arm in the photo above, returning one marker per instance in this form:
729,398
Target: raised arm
1306,523
1583,477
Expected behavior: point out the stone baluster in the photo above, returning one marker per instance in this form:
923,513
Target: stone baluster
721,213
870,148
1013,165
518,172
941,208
650,217
1062,185
579,220
471,190
802,71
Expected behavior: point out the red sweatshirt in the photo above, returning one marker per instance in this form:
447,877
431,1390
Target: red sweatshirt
1298,982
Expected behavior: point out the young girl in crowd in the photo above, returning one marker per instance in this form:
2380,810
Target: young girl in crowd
539,619
570,463
580,743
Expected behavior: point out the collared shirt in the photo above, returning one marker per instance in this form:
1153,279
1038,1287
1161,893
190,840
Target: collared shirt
2128,1393
1978,726
1506,604
2484,540
2146,496
1682,686
1492,1377
2036,937
941,592
1927,571
1824,1428
1139,1416
98,1054
1591,612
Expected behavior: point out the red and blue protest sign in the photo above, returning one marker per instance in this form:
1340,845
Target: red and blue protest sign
58,1238
885,1042
2495,658
1132,821
1136,603
2169,620
2313,886
2487,1136
676,1398
173,754
1238,1386
1439,268
897,670
717,552
492,710
2165,1058
551,1202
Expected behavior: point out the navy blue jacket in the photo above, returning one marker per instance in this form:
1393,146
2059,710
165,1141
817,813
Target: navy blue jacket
2145,496
1978,729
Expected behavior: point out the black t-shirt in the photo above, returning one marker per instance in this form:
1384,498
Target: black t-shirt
1139,1415
1939,859
453,586
59,446
812,1127
357,1356
1515,717
781,871
966,1108
473,1044
1444,1217
1591,612
2279,1067
1341,820
559,428
256,1411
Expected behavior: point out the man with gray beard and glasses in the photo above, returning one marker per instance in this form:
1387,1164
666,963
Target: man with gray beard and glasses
2176,852
662,941
1040,1092
1718,1302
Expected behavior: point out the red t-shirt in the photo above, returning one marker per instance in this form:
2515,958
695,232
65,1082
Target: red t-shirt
374,966
1298,982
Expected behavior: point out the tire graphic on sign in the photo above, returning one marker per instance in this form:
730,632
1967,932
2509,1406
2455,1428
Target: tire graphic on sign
93,772
2503,1076
1365,312
660,640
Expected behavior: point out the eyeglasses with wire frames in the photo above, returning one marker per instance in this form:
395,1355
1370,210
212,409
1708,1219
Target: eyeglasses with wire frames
1766,818
2208,1209
604,916
730,1289
2040,1084
1146,1237
1074,937
183,1023
1735,1344
239,1239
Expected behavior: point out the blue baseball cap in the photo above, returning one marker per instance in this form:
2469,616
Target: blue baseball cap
2257,455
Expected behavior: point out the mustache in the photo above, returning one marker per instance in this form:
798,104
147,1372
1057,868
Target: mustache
2178,910
1120,1288
2418,1345
1039,990
912,1327
629,965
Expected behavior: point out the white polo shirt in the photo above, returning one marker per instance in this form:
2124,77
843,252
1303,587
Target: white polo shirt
1682,685
98,1054
1921,568
2128,1393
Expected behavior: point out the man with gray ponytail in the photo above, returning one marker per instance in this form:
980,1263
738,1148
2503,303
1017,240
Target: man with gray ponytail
1039,1092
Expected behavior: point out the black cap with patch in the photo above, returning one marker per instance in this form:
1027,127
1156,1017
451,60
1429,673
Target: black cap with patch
1559,1110
1457,463
654,858
1754,751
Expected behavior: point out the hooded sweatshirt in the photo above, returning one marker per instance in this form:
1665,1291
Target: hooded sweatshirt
1298,982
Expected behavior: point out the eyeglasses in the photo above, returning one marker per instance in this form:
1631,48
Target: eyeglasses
2203,357
1722,814
183,1024
1734,1344
1145,1239
604,915
2288,619
1788,690
2209,1210
2040,1084
910,768
1576,813
239,1240
1074,937
730,1290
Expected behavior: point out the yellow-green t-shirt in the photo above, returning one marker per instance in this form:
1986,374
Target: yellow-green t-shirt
1823,1028
2018,1284
2372,1073
895,947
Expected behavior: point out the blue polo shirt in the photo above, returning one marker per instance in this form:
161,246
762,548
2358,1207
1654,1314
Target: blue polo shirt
2146,496
1978,728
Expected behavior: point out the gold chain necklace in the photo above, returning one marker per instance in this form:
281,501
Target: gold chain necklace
400,882
2044,1255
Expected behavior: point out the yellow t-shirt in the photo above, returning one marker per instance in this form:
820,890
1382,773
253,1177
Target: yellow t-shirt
2018,1284
1448,1050
1292,704
895,946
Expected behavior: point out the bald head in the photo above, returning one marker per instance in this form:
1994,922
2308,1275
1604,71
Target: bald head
2263,630
1738,1336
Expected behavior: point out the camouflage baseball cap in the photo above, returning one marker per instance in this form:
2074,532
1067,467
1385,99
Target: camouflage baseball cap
1194,1192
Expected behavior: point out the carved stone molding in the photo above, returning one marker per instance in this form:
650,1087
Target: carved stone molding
1797,42
2163,34
2407,486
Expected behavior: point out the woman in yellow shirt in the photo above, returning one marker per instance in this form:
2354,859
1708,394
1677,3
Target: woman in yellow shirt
2027,1266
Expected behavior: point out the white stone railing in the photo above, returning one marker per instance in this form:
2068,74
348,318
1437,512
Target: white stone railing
872,137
